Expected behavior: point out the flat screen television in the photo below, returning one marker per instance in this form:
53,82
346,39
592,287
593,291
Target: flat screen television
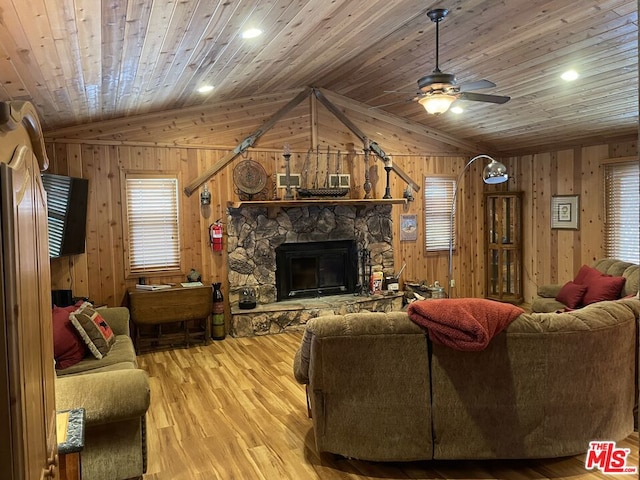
66,213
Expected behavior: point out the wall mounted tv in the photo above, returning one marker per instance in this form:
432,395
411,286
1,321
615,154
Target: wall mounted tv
66,213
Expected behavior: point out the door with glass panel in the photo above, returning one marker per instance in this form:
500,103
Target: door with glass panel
504,246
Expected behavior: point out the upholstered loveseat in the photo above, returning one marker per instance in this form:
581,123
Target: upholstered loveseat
549,296
115,395
546,386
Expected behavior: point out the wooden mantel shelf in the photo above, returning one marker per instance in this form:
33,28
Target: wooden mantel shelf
317,201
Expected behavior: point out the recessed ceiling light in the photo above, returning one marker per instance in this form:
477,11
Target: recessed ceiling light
457,109
569,75
252,33
205,88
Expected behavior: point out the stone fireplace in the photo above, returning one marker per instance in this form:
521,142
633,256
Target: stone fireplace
257,233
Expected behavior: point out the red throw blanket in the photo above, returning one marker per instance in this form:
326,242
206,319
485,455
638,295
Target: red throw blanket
463,323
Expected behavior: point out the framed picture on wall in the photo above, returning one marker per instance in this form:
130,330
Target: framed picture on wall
408,227
565,212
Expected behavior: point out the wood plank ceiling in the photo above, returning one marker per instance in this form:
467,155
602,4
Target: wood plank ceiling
84,63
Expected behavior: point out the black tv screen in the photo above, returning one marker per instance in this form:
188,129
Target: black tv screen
66,213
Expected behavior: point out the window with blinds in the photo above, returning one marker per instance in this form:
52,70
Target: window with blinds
438,198
152,223
622,211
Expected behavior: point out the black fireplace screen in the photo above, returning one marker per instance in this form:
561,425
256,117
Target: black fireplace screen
314,269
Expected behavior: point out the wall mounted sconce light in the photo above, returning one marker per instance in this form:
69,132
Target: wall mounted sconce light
205,196
408,194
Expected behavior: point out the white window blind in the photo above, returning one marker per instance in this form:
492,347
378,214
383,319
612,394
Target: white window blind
622,207
438,198
153,223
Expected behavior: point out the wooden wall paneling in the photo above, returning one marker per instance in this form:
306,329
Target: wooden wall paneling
189,214
568,240
133,160
591,198
356,169
103,156
624,149
96,224
409,251
195,228
206,213
541,202
470,239
116,224
78,268
557,236
577,188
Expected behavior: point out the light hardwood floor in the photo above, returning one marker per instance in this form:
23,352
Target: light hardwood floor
232,410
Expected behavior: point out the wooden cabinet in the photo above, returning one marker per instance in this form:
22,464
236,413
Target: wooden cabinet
504,246
28,445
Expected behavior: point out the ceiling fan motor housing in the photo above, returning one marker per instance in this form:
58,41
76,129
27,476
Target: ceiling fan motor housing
437,81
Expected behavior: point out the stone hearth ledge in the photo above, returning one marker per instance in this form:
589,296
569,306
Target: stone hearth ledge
294,314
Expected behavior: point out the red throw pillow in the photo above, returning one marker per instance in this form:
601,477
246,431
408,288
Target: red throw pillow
603,288
571,294
586,274
68,346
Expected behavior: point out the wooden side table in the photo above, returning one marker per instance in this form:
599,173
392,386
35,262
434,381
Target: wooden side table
70,431
170,317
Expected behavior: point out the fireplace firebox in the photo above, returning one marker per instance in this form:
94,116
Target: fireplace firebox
312,269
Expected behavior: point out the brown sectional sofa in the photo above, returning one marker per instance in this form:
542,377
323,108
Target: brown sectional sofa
545,387
115,395
546,299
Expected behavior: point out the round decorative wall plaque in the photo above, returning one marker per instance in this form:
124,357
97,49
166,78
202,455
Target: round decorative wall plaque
249,178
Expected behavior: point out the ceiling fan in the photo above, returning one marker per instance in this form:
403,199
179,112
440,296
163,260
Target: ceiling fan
439,90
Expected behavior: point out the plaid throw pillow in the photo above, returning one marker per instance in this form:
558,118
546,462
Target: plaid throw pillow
93,329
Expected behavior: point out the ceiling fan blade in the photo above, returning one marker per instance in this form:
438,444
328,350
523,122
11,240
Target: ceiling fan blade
466,87
481,97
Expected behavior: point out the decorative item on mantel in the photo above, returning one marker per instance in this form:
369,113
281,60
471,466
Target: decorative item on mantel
367,181
287,156
388,165
274,187
250,179
327,190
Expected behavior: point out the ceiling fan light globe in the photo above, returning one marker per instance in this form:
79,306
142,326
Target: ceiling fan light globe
436,104
495,172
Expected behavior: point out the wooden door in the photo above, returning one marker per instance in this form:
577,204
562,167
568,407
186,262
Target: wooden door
30,451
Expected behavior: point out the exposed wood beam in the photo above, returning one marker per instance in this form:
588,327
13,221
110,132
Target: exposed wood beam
375,148
246,143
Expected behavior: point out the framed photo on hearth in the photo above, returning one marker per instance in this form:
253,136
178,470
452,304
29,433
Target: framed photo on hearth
565,212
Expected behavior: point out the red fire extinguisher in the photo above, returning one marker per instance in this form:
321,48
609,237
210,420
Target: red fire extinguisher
215,235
